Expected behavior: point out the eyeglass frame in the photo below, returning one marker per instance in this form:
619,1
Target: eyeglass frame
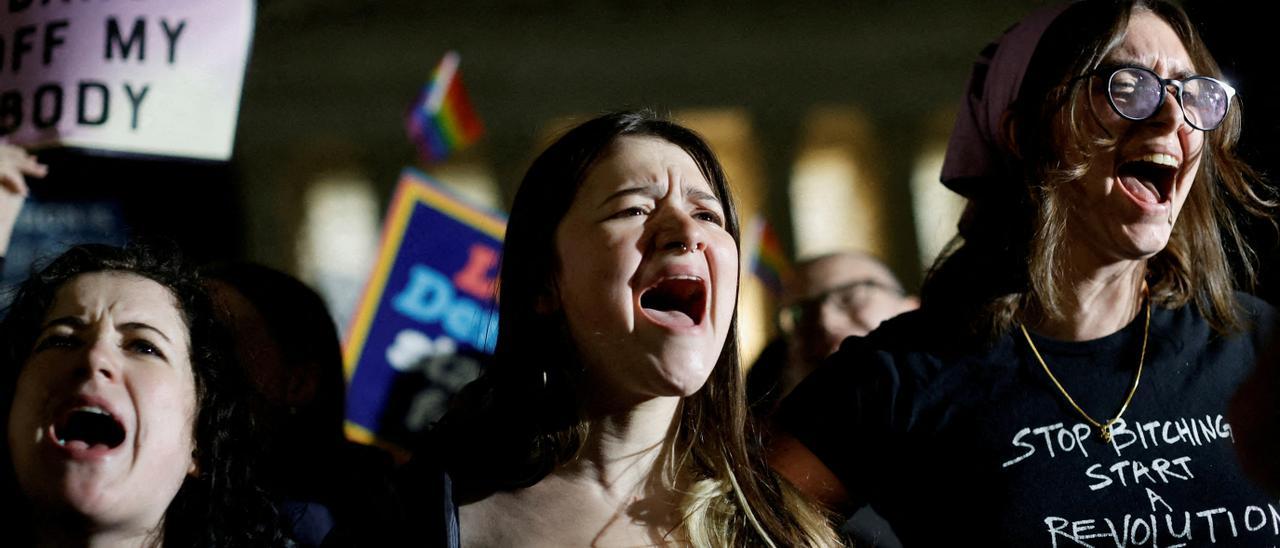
1111,70
787,319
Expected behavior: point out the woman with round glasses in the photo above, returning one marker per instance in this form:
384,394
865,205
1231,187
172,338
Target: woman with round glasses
1066,379
1137,93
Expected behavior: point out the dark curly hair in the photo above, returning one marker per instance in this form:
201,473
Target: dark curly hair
219,507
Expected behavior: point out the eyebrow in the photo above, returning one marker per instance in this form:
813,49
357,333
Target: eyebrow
77,323
699,194
143,326
1179,72
646,190
69,321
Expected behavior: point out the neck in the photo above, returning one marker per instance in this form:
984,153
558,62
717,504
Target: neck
58,533
1101,298
623,448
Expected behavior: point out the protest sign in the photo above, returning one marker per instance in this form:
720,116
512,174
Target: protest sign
428,314
151,77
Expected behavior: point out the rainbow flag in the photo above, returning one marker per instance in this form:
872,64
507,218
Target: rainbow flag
768,261
441,120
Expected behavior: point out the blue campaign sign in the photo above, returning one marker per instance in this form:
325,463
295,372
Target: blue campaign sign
428,315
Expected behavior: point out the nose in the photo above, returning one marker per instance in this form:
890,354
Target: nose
678,231
840,321
834,326
101,360
1170,113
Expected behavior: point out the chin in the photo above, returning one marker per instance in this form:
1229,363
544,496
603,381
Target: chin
85,497
107,507
1147,241
687,377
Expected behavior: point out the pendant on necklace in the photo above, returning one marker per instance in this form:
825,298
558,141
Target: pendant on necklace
1106,433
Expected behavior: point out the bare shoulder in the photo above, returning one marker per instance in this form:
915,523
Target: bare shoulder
550,515
500,519
522,518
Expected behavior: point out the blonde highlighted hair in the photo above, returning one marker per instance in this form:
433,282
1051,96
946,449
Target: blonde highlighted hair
522,418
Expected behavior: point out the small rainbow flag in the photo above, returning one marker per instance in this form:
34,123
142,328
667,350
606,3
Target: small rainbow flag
441,120
768,258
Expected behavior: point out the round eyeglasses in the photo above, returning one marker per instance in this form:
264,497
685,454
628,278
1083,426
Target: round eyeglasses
846,298
1137,93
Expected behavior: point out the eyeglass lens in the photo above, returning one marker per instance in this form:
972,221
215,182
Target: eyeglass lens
847,298
1137,94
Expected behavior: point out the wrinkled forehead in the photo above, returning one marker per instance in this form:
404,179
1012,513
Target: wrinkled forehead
645,160
838,270
121,296
1150,41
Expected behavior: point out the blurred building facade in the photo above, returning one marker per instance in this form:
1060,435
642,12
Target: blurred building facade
831,118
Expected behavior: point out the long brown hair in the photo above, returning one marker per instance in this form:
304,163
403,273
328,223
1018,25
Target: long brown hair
1018,229
521,419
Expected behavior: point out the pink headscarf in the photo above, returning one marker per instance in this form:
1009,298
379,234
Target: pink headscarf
975,153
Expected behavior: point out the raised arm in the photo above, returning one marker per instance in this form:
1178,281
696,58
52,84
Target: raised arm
16,165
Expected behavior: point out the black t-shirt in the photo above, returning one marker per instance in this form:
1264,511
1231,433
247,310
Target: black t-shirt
980,448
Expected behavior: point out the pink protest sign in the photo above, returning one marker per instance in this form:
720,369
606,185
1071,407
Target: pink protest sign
153,77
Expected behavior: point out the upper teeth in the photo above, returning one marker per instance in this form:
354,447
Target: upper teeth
92,409
1160,159
683,277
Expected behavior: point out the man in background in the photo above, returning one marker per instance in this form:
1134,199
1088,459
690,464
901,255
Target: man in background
828,298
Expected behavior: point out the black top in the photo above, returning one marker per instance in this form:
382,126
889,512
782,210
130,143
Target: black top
981,447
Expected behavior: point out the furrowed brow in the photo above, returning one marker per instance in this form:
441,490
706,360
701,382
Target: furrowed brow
700,194
140,326
647,191
69,321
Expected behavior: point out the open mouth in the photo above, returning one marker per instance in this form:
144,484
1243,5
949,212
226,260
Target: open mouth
88,426
677,301
1150,179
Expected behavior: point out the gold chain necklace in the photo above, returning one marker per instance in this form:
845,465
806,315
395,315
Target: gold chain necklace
1104,428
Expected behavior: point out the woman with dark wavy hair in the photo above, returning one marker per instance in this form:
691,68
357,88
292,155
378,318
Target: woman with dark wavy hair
124,424
614,410
1066,379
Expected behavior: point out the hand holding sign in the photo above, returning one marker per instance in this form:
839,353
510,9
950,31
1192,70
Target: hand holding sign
15,166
